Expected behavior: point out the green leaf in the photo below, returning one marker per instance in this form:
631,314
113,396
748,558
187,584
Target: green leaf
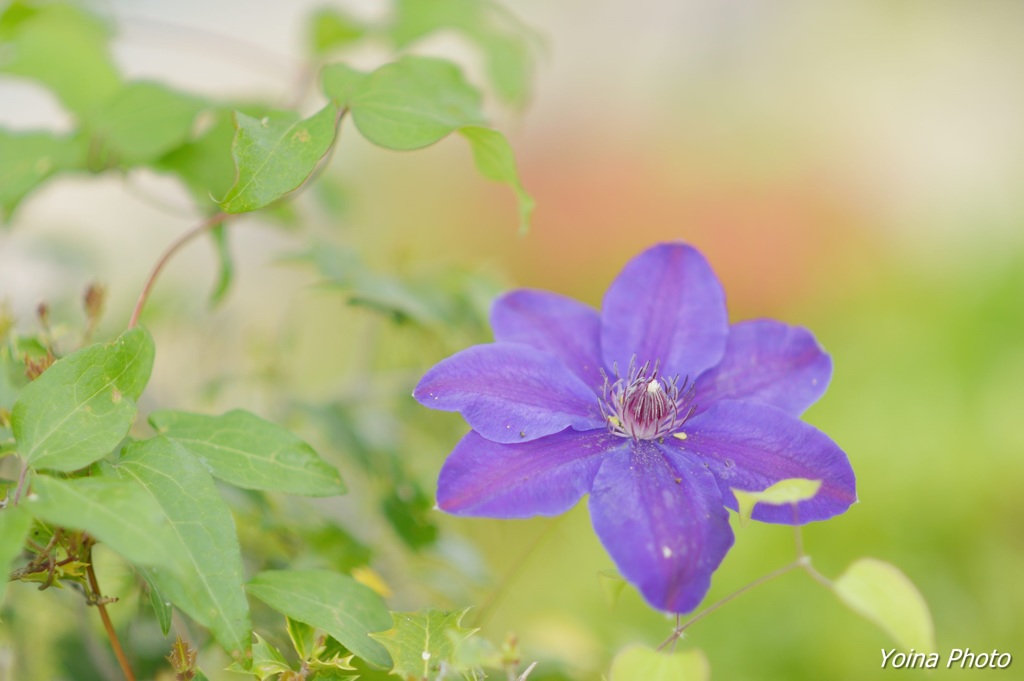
205,164
62,47
637,663
884,595
275,154
241,448
219,234
612,584
15,523
341,83
337,604
267,661
410,512
161,606
143,121
331,29
420,641
80,408
413,103
28,159
303,637
210,590
789,491
495,161
120,513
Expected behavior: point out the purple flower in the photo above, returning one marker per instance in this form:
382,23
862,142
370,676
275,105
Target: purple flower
657,408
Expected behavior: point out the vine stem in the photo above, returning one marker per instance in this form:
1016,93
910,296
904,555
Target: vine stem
799,562
107,624
203,227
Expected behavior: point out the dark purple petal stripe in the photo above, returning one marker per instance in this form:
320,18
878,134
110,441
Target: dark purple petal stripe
666,305
660,516
541,477
768,362
510,392
547,321
752,446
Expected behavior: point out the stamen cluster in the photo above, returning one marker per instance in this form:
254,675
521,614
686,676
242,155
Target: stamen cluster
644,406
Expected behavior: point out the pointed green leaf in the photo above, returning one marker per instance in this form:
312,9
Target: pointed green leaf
495,161
62,47
275,154
120,513
612,584
28,159
637,663
883,594
210,590
15,523
303,637
413,103
789,491
161,605
331,29
143,121
80,408
241,448
267,661
420,641
337,604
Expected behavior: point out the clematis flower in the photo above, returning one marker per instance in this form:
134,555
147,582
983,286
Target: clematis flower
656,407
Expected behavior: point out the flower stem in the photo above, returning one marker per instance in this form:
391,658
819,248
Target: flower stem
107,624
499,591
715,606
22,478
204,226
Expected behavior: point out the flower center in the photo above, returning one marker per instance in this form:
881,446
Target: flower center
643,405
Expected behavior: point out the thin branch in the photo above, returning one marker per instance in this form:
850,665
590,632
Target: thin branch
107,624
711,608
22,478
204,226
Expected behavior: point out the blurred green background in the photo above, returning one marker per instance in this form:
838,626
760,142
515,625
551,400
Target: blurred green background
851,167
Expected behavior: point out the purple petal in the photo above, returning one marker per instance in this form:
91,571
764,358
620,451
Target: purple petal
546,321
510,392
660,516
768,362
752,446
665,305
541,477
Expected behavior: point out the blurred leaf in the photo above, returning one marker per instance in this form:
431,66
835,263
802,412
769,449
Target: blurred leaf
410,512
275,154
412,103
80,408
504,41
420,641
143,121
15,523
789,491
210,590
219,234
337,604
161,606
337,546
28,159
331,29
205,164
241,448
120,513
62,47
883,594
341,82
612,584
495,161
367,576
637,663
